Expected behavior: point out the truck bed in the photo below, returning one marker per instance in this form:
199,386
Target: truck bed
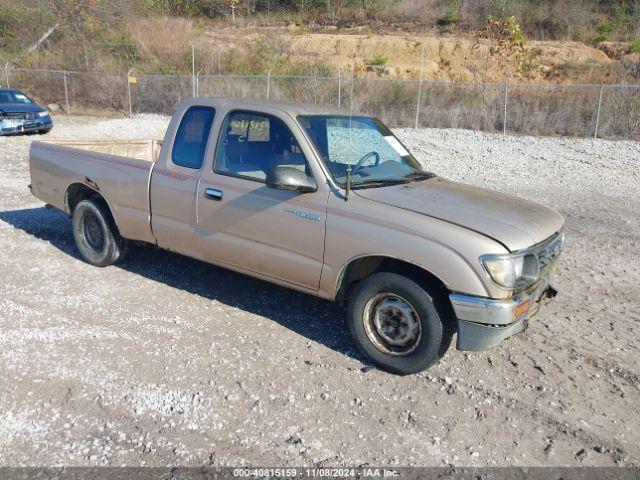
140,149
119,170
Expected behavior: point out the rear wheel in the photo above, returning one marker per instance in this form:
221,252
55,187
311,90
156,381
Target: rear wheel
96,235
395,323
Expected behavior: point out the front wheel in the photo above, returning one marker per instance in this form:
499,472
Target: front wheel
96,235
395,323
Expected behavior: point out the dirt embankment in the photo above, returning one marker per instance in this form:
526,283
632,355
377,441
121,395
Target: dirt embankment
446,58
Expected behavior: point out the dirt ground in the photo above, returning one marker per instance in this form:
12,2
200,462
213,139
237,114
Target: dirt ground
164,360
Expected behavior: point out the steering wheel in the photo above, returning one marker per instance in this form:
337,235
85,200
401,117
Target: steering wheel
358,165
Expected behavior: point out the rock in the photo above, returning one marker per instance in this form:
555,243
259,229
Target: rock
53,107
599,449
581,455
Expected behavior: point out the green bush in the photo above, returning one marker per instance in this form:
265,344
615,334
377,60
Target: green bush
17,23
634,46
451,13
178,8
604,30
378,61
123,49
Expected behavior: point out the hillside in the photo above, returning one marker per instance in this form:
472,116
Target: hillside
447,58
518,40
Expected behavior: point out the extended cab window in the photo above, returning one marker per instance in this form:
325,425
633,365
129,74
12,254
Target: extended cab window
191,139
251,144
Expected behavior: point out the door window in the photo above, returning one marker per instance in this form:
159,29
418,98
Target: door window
251,144
191,139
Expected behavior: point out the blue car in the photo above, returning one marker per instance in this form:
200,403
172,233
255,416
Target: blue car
20,114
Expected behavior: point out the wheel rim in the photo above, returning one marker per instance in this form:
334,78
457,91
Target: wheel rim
392,324
93,232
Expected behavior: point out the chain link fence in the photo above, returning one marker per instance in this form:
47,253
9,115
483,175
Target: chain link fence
602,111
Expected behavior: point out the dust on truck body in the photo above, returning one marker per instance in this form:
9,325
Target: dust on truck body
321,201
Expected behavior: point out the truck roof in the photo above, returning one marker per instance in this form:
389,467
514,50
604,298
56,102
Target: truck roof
291,108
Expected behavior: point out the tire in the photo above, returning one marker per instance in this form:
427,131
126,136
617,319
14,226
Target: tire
389,300
96,234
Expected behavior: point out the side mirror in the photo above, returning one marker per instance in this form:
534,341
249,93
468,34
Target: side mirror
289,178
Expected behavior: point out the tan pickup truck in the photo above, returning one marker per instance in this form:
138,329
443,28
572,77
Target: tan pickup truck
322,201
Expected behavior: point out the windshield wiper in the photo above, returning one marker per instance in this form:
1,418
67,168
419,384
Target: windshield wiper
416,176
380,182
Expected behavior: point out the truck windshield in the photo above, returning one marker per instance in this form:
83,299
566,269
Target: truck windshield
375,155
13,96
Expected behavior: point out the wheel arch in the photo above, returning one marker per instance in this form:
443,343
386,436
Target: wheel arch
361,267
76,192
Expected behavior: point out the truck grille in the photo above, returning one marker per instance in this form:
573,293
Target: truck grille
19,116
548,251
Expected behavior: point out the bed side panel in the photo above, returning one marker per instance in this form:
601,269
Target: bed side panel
122,181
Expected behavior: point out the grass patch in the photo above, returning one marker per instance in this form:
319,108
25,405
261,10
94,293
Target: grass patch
377,61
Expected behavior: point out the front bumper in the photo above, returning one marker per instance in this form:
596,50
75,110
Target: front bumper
483,322
14,127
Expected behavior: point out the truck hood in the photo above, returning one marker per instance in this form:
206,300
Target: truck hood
512,221
20,107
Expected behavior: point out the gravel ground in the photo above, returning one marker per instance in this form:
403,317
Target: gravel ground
168,361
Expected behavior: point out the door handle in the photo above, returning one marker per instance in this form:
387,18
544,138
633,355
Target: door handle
213,194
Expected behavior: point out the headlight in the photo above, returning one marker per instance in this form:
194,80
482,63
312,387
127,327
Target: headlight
43,114
512,271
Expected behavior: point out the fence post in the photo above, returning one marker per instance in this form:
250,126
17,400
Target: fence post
268,84
595,132
339,87
353,81
504,108
419,99
129,90
6,73
66,91
198,83
193,70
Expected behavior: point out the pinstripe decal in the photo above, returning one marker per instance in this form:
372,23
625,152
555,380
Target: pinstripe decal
178,176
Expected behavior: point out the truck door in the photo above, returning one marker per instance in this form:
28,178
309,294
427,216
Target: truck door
175,178
242,223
